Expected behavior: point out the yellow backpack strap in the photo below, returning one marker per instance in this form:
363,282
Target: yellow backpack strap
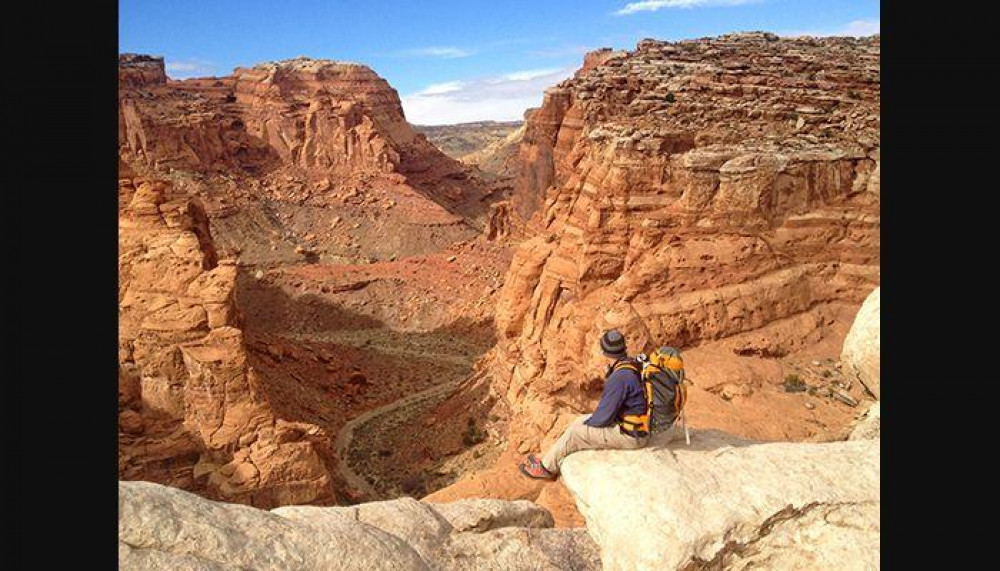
635,422
625,365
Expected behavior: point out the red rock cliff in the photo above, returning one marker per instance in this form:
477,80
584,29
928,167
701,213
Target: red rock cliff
687,193
327,118
191,412
138,70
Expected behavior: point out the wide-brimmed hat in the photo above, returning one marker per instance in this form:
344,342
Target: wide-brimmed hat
613,344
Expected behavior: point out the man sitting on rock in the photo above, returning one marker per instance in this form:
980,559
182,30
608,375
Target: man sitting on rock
623,395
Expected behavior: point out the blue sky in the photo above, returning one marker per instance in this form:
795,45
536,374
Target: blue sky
453,60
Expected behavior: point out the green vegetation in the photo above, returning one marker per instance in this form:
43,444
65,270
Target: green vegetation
793,384
473,434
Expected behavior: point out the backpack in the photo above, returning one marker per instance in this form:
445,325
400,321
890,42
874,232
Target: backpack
665,389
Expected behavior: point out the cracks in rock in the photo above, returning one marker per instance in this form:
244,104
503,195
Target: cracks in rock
740,548
221,563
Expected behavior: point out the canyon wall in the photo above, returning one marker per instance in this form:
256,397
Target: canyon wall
715,190
191,411
246,203
324,120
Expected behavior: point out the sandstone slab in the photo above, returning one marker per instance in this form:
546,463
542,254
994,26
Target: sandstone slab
685,504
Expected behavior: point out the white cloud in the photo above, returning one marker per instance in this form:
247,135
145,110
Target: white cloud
439,88
446,52
527,75
191,68
856,28
654,5
500,98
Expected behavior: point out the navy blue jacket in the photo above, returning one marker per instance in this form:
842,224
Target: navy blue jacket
622,395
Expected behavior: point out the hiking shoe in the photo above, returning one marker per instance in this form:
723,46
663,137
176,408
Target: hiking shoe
533,468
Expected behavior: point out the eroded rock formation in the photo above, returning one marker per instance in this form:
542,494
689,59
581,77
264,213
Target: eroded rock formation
138,70
315,211
718,195
327,122
191,412
728,503
685,193
165,528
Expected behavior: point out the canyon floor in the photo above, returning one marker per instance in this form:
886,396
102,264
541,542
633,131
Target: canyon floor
348,347
335,345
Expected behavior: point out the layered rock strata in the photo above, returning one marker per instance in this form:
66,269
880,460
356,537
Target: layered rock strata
192,413
329,123
718,195
722,189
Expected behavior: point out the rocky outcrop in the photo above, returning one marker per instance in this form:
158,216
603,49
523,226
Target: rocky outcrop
166,528
862,347
342,218
819,536
729,503
722,189
597,58
193,125
337,116
331,123
137,70
191,411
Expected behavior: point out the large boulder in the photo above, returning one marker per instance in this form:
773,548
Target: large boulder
722,497
861,357
166,528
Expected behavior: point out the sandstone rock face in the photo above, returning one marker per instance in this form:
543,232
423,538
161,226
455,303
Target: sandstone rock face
819,536
725,502
484,515
333,121
305,174
341,117
862,348
190,411
596,58
688,193
137,70
166,528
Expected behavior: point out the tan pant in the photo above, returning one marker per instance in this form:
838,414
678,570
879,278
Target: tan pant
579,436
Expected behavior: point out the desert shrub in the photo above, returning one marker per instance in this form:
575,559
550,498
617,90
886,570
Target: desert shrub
793,384
473,434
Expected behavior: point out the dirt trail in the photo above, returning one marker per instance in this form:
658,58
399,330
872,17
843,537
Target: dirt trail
385,342
346,434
